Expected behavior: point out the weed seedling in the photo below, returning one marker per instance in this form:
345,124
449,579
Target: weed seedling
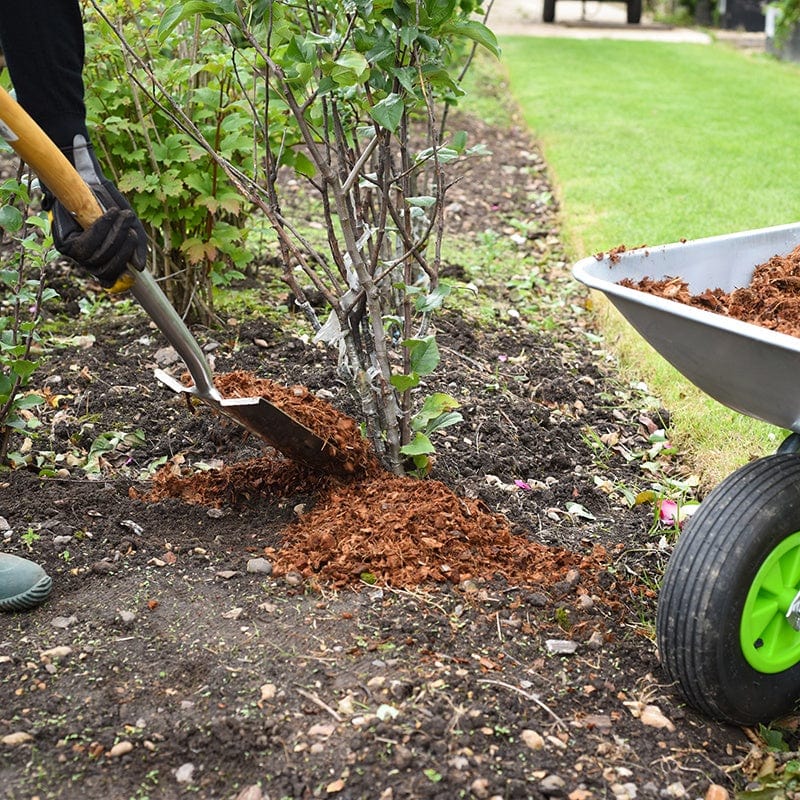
29,538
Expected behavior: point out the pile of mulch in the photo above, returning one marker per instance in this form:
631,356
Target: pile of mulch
369,526
341,435
405,532
772,300
269,477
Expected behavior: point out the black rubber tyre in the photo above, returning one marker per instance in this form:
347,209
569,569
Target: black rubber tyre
737,531
549,13
791,444
634,12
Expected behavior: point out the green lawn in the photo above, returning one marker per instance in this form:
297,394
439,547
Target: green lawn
653,142
650,143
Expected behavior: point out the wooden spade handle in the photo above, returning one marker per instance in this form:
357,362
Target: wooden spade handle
36,149
53,168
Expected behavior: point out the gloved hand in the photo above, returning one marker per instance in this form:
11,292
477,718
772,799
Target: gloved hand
114,240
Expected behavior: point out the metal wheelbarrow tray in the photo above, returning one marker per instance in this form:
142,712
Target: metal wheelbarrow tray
728,620
748,368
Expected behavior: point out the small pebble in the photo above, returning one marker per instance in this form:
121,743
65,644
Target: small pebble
120,749
402,756
184,773
250,793
532,739
552,786
259,566
166,356
63,622
16,738
132,526
595,641
561,646
55,652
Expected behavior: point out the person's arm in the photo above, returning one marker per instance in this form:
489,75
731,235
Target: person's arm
43,44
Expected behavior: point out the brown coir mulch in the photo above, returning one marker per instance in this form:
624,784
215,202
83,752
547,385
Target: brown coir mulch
405,532
371,526
772,300
340,434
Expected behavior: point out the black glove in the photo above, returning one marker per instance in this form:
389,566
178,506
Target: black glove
114,240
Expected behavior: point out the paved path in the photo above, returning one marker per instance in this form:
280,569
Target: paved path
590,19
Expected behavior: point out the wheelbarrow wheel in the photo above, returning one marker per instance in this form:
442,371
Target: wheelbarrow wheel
722,631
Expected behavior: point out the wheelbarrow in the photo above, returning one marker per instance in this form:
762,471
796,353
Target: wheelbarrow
728,619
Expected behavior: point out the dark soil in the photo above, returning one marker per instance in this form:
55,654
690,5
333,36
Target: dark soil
484,633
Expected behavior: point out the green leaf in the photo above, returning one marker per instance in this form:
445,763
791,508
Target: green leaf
420,445
388,112
404,382
434,300
304,165
424,354
444,421
300,50
177,13
436,412
23,368
381,51
10,218
408,35
476,31
444,154
29,401
423,201
9,277
459,141
407,76
350,68
439,10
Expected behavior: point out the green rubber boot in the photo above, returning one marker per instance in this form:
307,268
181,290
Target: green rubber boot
23,584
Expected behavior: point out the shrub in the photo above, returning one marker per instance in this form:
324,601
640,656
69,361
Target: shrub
352,97
27,249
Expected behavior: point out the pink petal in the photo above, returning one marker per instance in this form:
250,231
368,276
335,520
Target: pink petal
668,512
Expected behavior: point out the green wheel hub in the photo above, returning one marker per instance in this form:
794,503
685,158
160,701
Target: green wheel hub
769,642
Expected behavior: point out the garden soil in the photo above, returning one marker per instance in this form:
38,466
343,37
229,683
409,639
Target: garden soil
228,624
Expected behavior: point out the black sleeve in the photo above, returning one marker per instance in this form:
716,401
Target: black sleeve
42,41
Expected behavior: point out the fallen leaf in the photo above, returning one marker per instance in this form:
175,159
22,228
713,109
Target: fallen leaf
55,652
654,717
322,730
